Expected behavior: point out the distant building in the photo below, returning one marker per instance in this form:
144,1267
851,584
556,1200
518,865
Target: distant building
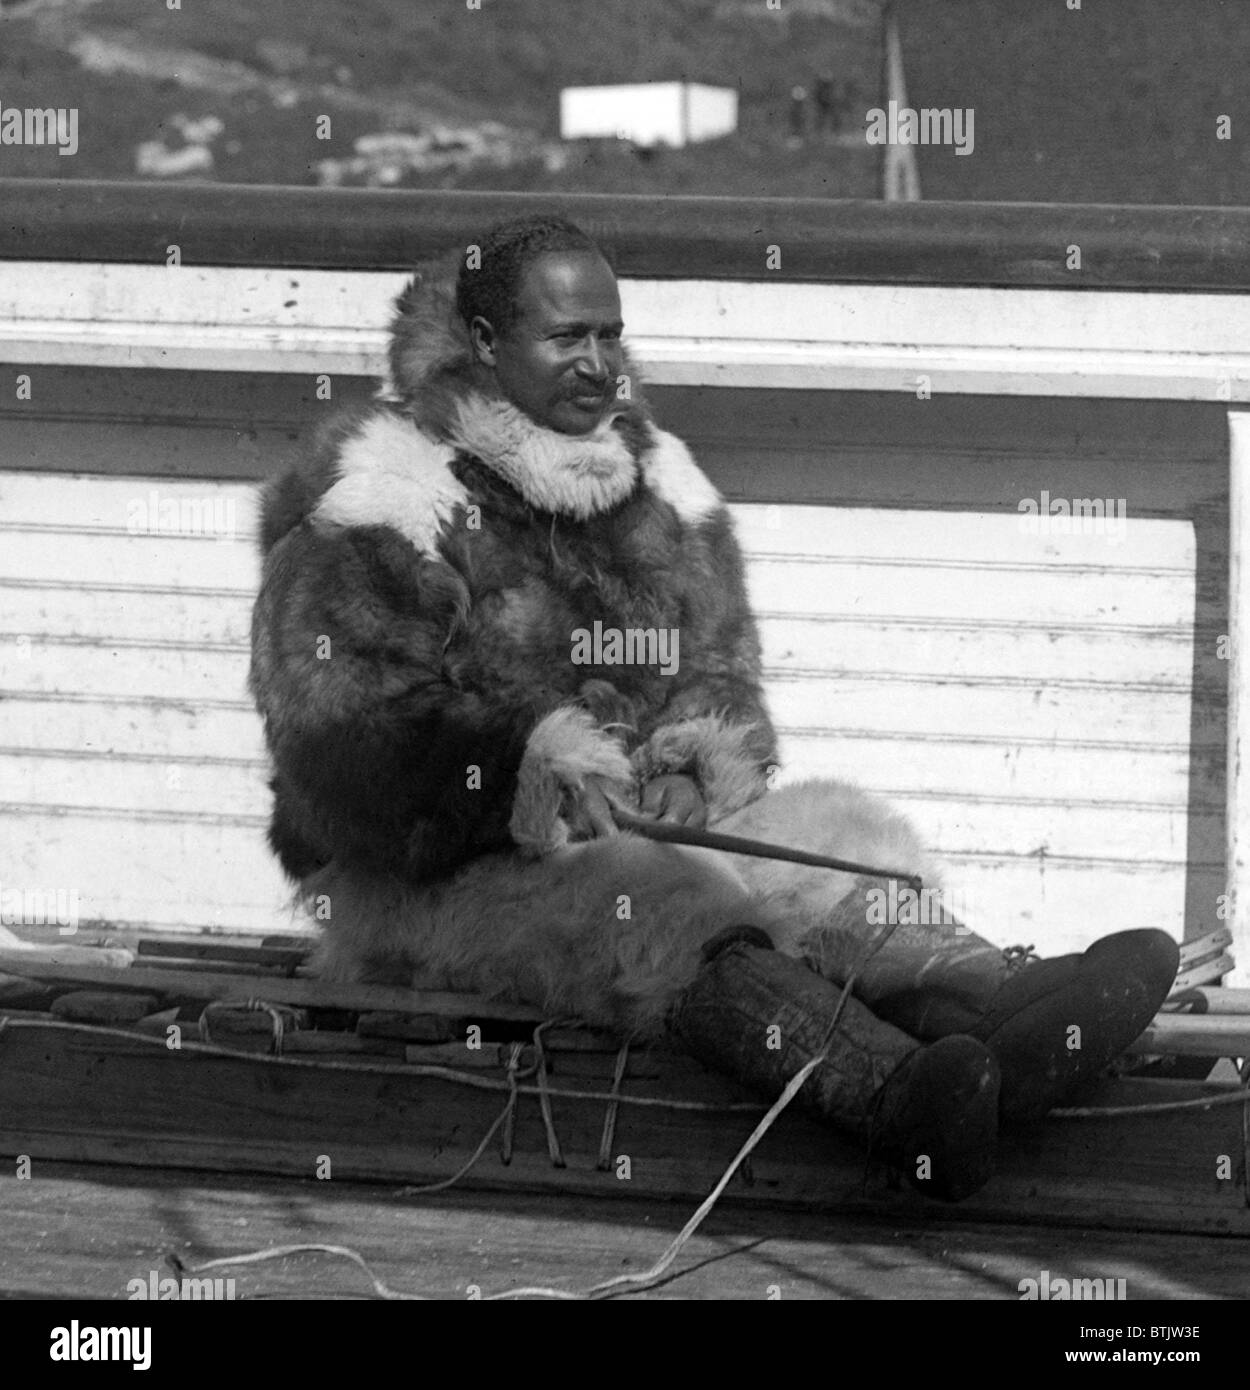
649,113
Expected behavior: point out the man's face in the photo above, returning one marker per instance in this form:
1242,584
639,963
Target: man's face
560,360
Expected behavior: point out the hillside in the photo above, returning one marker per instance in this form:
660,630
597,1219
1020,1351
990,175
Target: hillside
1116,102
268,71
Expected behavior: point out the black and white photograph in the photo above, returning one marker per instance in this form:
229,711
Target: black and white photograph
624,669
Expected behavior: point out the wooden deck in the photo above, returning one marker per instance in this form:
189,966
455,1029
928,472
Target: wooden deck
571,1160
86,1231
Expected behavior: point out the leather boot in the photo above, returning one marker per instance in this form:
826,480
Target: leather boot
930,1112
1054,1025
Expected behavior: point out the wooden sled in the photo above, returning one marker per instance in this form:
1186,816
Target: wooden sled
220,1054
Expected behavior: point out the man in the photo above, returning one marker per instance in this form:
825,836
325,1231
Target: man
449,744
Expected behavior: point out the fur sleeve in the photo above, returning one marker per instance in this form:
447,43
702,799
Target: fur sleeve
379,759
564,749
714,725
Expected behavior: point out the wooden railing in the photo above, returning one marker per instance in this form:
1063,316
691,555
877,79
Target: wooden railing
829,242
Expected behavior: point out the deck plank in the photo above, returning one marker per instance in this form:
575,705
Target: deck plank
84,1232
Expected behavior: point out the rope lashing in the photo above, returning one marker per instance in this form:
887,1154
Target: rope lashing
279,1016
474,1080
609,1119
544,1097
509,1128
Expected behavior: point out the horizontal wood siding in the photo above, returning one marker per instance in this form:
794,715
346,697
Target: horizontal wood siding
133,763
1075,341
1050,709
1026,698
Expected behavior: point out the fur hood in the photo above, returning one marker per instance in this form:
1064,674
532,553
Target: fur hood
393,464
435,380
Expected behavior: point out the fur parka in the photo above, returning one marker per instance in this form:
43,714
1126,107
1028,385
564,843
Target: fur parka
427,572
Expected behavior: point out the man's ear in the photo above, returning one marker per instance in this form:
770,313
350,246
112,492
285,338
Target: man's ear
484,340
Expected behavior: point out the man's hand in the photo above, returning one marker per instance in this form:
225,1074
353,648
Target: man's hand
674,798
588,812
606,704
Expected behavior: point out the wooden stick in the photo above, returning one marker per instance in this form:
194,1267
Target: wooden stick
1225,1001
200,949
57,953
1195,1035
321,994
1203,947
1209,972
668,833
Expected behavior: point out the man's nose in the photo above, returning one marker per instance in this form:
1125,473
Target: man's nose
593,362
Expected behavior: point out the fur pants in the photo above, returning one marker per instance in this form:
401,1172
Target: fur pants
611,930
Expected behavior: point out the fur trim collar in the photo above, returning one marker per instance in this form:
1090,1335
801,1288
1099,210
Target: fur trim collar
573,475
391,474
435,380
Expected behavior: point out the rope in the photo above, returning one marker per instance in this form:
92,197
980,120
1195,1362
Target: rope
609,1119
646,1278
281,1252
505,1144
650,1277
505,1114
476,1081
544,1099
635,1283
279,1014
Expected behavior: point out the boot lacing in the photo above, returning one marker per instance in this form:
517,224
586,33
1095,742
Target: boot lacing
1017,957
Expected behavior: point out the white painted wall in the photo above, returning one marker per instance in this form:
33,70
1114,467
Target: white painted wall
684,332
1025,698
